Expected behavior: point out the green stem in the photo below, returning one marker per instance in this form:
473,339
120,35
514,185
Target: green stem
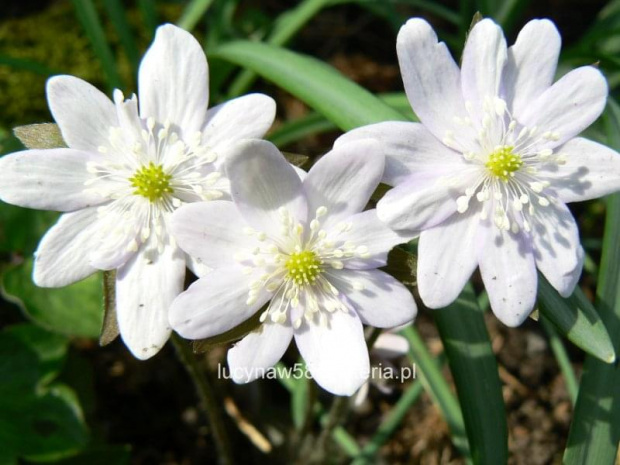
208,397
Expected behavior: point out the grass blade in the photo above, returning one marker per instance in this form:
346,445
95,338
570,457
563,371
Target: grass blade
116,11
436,385
87,15
149,16
572,386
576,319
286,26
474,367
595,430
319,85
192,13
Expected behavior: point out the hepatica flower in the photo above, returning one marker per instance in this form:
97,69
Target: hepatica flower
488,173
304,248
129,165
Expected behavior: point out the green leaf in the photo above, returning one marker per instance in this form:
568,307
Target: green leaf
595,431
429,372
40,136
474,367
21,228
576,318
572,385
300,401
87,15
38,421
74,310
192,13
319,85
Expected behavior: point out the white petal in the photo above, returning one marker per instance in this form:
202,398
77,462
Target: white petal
258,351
48,179
431,77
556,246
509,273
211,231
344,179
408,148
173,81
484,58
262,182
370,232
62,257
531,64
145,289
591,170
336,354
447,257
390,346
246,117
214,304
569,106
421,202
83,113
379,299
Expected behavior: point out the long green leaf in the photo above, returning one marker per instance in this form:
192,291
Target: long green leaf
595,431
87,15
429,372
319,85
576,318
474,367
192,13
572,385
118,15
286,26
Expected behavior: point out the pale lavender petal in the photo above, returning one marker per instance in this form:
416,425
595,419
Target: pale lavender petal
447,257
211,231
590,170
214,304
344,179
145,289
173,81
484,58
531,64
83,113
379,299
431,77
336,354
262,182
567,107
249,358
408,148
508,270
62,257
556,246
246,117
52,179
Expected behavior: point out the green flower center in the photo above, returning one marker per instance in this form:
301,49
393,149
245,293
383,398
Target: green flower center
151,182
504,162
303,267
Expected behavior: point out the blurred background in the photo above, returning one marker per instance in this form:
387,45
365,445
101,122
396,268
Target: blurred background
64,399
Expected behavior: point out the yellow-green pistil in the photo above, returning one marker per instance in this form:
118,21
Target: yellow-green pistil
503,162
303,267
151,182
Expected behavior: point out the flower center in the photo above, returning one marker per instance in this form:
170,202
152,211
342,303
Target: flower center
503,162
151,182
303,267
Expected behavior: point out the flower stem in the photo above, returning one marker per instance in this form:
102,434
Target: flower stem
208,397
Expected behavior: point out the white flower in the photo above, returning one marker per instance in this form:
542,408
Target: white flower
127,169
307,249
488,172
